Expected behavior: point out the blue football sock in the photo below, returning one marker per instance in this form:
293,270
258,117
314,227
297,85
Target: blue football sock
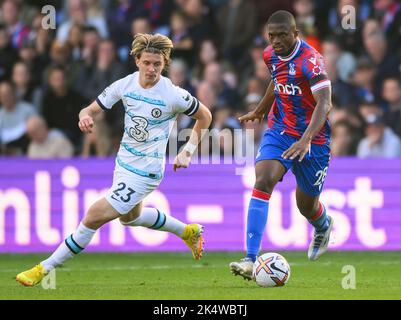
319,221
257,218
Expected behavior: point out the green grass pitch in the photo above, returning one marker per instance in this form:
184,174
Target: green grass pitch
159,276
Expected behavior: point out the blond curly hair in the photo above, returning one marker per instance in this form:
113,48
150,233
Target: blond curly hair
152,43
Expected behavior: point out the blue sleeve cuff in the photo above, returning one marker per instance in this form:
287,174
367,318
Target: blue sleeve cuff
101,104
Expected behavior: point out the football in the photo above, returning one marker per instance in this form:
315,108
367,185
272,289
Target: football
271,270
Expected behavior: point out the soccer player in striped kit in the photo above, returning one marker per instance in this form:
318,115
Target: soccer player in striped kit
151,103
298,100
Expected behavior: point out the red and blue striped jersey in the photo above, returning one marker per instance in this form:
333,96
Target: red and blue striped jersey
295,79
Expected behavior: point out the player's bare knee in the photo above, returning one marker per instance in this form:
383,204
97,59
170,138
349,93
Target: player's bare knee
127,218
96,216
265,183
306,208
124,222
132,215
92,221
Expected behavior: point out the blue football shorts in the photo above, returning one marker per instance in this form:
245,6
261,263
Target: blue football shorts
310,173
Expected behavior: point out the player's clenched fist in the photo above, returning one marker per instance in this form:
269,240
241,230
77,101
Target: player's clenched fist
182,160
86,124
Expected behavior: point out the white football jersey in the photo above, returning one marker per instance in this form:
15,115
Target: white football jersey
149,119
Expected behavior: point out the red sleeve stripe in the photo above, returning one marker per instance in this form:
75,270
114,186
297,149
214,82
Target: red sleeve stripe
260,195
320,85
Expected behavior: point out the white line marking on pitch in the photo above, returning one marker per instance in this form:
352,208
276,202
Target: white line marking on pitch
196,266
119,268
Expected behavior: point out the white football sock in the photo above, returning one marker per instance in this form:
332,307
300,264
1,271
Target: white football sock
154,219
71,246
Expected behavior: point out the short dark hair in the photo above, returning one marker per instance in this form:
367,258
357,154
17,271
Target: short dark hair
56,67
87,29
282,17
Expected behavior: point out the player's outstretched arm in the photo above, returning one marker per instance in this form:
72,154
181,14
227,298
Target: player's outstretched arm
86,116
262,108
203,119
319,116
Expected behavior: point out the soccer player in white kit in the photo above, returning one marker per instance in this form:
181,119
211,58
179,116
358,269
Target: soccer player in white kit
151,104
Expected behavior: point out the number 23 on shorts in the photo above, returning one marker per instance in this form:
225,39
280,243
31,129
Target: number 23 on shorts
122,194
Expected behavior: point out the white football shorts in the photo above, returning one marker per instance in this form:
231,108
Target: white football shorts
128,190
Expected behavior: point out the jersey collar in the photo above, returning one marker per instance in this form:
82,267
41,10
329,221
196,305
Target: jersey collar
293,53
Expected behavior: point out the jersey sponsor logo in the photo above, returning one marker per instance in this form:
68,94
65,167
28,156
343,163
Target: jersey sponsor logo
292,70
313,60
289,89
156,113
139,131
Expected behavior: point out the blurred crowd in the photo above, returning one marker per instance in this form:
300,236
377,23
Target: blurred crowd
48,75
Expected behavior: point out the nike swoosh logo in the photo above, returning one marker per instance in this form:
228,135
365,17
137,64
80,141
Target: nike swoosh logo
273,266
112,196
